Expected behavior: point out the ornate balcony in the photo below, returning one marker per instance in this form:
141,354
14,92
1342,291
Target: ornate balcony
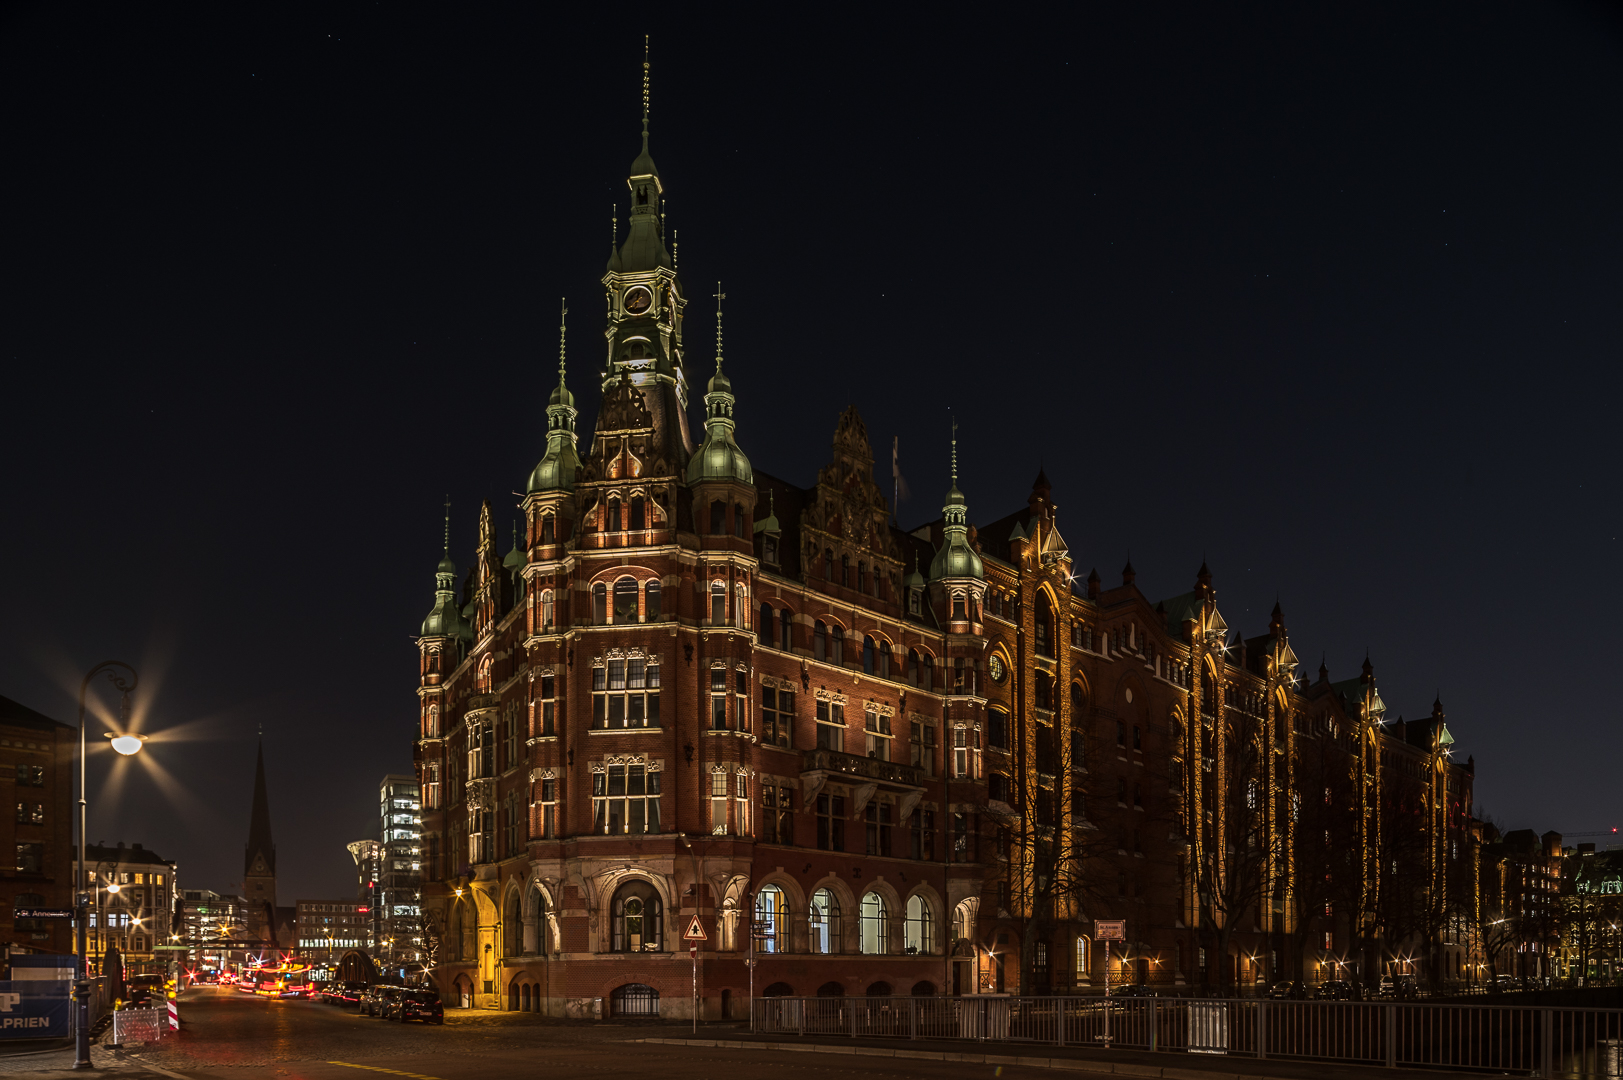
857,767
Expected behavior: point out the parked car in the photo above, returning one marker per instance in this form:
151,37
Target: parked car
1136,990
379,1000
1286,991
348,993
418,1003
1336,990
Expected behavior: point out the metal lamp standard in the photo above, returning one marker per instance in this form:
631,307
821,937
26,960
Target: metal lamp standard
81,990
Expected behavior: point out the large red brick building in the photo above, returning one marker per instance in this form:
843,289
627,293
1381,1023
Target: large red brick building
915,761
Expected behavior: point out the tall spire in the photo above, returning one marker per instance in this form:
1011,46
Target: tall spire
557,468
956,559
719,457
647,50
260,844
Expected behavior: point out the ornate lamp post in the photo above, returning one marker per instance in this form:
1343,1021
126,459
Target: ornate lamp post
81,990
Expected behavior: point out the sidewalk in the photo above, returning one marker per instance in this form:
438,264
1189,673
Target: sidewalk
57,1064
1135,1063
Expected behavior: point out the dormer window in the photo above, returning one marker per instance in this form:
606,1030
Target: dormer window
913,604
769,549
958,606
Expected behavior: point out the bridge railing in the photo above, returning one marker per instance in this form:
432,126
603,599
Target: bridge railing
1550,1042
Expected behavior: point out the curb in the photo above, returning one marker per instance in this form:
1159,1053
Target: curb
1069,1064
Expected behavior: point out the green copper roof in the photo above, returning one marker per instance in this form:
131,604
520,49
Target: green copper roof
956,559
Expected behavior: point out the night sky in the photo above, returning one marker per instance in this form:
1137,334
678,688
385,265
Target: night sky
1330,298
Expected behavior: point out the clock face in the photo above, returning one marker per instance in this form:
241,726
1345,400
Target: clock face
637,300
996,669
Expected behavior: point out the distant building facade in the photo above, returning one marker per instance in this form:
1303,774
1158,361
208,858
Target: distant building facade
327,929
36,782
398,901
132,906
925,761
212,929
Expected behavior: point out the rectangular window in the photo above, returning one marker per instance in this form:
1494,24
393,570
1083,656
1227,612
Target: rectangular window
777,814
963,839
30,858
921,747
625,799
718,803
960,752
831,726
30,776
741,690
625,694
923,835
549,705
876,816
777,716
997,729
718,699
877,727
831,822
741,803
30,813
1079,755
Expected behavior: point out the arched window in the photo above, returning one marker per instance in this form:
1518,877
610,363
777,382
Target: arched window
741,609
612,517
958,609
740,522
828,564
543,925
845,570
1082,959
884,659
547,615
718,604
913,666
639,515
636,918
929,672
823,921
819,640
787,622
651,601
867,655
837,651
920,927
625,600
862,577
875,923
1045,625
772,918
600,604
548,533
767,625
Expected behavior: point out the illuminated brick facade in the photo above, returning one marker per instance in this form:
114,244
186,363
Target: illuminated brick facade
923,760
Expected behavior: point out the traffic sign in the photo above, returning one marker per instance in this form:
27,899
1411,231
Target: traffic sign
1109,929
695,931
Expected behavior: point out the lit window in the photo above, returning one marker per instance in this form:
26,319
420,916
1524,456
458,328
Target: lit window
875,923
625,799
831,726
877,727
625,694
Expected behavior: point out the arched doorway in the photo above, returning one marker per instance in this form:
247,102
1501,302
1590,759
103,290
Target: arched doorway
637,918
634,999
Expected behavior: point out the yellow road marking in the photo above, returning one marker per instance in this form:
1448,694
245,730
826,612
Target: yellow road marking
391,1072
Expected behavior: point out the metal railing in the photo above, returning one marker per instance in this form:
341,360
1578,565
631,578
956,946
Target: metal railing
1566,1043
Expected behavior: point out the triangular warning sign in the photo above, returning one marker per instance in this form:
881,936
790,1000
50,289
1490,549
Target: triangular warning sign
695,931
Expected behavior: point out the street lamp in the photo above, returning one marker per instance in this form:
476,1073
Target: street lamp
81,990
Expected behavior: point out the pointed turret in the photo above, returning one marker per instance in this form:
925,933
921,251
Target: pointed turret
1276,622
1093,584
719,457
956,559
644,248
444,620
1128,574
558,467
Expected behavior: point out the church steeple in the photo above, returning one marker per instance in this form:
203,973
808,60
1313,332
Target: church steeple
259,861
445,620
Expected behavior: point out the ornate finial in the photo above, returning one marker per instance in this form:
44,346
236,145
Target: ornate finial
674,256
720,296
563,304
614,227
955,451
645,53
447,526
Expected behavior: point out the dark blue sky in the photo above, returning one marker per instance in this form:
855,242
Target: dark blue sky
1330,299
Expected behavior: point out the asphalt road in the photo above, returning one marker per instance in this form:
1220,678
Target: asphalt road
228,1034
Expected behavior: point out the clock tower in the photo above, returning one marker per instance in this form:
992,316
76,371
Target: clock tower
645,305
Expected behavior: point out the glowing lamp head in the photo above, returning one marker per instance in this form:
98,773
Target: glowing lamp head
113,887
128,743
